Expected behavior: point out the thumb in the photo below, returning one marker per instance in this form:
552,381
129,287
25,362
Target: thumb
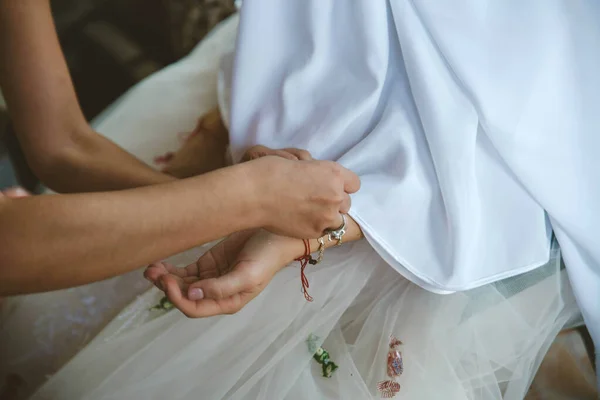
351,181
234,282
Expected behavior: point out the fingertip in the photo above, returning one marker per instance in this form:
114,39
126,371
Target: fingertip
303,155
151,275
352,182
154,265
148,274
20,192
16,192
154,271
286,155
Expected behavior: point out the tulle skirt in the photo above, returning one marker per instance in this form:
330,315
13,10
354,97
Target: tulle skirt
482,344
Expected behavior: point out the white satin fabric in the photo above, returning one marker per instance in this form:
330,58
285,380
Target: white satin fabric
466,120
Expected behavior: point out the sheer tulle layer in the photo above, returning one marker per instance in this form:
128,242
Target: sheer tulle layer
482,344
41,332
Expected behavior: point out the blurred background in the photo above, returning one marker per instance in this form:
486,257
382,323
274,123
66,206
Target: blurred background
110,45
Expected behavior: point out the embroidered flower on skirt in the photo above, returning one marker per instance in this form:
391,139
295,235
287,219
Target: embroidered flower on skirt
321,356
395,367
163,305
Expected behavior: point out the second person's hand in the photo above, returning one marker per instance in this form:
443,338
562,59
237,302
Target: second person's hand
301,199
228,276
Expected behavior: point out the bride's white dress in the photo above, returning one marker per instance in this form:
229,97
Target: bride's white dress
482,343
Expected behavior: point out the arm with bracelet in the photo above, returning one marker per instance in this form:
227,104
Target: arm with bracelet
116,204
236,270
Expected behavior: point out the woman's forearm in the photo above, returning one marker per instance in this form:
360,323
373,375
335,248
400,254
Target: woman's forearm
62,149
57,241
95,164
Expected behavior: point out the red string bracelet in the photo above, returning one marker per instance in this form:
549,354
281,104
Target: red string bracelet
304,261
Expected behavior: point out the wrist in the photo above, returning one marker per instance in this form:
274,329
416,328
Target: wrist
249,179
256,193
290,248
293,248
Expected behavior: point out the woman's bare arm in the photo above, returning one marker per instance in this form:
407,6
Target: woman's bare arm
55,241
62,149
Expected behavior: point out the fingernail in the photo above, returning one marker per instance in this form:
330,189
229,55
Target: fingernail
18,191
196,294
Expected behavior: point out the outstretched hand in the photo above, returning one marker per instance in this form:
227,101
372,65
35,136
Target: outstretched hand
228,276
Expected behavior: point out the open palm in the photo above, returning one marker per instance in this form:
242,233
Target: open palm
225,278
